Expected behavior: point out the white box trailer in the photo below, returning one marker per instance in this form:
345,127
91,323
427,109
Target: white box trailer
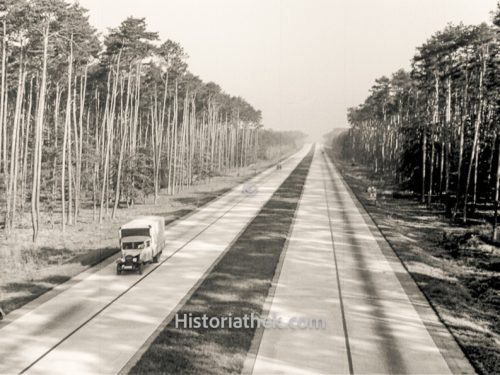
141,241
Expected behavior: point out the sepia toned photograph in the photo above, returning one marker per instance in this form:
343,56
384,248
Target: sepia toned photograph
249,187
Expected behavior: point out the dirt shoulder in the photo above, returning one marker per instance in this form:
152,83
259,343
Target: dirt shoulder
454,267
27,272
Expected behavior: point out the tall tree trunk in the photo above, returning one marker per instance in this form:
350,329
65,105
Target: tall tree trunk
460,150
435,124
497,194
424,162
24,174
12,180
3,103
37,164
476,136
119,174
67,129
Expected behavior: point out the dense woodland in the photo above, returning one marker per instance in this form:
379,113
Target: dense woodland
104,121
436,129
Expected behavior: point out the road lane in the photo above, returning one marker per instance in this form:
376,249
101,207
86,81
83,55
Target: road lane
307,287
386,333
383,332
99,337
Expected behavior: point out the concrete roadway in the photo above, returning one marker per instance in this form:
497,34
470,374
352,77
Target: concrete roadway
335,270
96,325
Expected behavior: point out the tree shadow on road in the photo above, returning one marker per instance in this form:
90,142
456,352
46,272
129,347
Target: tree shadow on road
238,285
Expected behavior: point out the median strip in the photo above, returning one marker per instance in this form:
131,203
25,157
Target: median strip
237,286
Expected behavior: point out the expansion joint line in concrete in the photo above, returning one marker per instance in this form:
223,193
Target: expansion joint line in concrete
135,283
344,322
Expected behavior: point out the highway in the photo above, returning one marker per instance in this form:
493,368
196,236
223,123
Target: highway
335,271
335,268
97,325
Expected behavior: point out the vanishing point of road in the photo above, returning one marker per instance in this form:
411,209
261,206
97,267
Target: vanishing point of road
336,266
338,269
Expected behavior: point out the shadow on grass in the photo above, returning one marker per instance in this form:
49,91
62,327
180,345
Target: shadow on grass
454,265
46,256
200,199
237,285
93,257
27,291
55,279
175,215
470,297
194,202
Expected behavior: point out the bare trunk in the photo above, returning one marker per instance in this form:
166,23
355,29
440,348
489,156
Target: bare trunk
476,137
497,193
37,164
67,129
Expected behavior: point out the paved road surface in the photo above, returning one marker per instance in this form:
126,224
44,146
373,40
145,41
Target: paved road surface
96,325
334,270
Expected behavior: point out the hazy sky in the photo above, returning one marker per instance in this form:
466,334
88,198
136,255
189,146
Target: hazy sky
302,62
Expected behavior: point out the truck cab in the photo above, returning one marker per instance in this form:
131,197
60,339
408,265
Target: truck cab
141,241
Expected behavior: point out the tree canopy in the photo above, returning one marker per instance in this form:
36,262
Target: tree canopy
435,129
107,121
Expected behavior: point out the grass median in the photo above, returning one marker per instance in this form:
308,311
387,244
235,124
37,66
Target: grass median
238,285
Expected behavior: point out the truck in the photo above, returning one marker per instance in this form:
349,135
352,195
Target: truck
142,241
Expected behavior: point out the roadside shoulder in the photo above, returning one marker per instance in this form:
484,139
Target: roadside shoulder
442,337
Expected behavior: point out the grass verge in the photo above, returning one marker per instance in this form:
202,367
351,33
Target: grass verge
237,285
453,266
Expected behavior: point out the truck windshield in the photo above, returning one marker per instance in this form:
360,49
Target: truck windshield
133,245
